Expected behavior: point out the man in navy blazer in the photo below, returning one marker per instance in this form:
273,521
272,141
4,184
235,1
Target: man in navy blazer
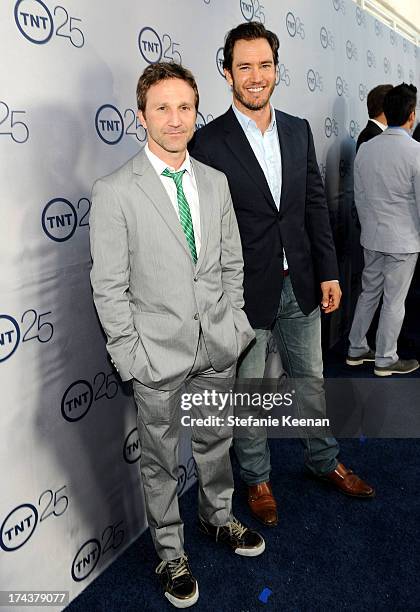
289,257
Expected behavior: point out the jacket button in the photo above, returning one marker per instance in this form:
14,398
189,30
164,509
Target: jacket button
196,316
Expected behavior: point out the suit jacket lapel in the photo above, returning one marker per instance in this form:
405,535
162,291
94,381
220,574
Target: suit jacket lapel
149,182
205,195
286,152
238,143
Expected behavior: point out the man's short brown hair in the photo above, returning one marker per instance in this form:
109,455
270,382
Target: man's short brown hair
375,100
160,72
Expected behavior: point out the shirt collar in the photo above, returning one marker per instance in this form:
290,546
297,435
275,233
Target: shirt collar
400,129
379,124
246,122
159,165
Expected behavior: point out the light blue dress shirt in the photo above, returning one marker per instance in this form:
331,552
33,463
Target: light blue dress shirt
266,149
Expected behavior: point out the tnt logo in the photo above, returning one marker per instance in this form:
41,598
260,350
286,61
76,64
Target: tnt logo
326,38
247,8
77,400
34,21
18,526
339,6
86,560
9,336
400,72
370,58
351,50
363,92
294,26
341,87
379,30
354,129
150,45
109,124
132,450
219,61
59,219
331,127
314,80
201,121
360,17
393,38
387,66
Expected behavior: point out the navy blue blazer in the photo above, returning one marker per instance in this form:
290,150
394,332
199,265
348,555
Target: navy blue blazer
301,227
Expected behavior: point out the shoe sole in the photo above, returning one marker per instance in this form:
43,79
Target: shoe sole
359,362
183,603
391,372
251,552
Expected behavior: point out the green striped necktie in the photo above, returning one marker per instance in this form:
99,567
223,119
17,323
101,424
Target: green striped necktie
184,210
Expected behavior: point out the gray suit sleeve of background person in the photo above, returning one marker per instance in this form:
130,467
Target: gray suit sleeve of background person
233,270
110,276
416,180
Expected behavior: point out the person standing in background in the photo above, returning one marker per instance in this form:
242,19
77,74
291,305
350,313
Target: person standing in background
377,120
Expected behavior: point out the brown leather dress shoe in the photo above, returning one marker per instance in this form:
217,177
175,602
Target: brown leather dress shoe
348,483
262,503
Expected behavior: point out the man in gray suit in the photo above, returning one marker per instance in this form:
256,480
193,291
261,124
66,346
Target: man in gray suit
167,284
387,195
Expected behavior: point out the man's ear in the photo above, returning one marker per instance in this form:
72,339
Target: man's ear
228,76
142,119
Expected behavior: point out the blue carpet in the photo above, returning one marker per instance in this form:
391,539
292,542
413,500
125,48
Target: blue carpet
329,552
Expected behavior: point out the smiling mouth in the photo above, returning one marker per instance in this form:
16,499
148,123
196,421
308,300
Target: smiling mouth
255,89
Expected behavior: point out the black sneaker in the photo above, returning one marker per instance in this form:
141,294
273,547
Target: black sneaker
355,361
180,586
242,540
402,366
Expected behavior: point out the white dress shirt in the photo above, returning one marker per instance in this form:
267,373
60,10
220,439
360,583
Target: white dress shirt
189,186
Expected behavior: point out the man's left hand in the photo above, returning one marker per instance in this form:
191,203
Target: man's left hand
331,296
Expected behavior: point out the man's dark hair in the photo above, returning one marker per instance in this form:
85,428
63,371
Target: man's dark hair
375,100
160,72
399,103
250,30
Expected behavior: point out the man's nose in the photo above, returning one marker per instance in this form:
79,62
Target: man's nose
175,117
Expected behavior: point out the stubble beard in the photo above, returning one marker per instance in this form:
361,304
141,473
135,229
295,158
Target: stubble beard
252,106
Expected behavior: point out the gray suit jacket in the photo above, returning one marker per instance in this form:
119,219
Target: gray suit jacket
150,297
387,192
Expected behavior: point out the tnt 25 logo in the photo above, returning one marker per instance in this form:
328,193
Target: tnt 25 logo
37,24
186,473
339,6
341,86
111,125
331,127
400,72
379,28
60,219
34,326
370,59
363,92
326,38
351,50
20,524
295,26
202,120
219,61
92,551
387,65
393,38
11,126
354,129
360,17
80,395
252,10
314,80
154,48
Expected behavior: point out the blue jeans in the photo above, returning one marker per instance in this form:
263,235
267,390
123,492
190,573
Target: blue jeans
298,340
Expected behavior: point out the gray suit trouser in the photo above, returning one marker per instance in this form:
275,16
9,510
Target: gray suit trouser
159,425
388,275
